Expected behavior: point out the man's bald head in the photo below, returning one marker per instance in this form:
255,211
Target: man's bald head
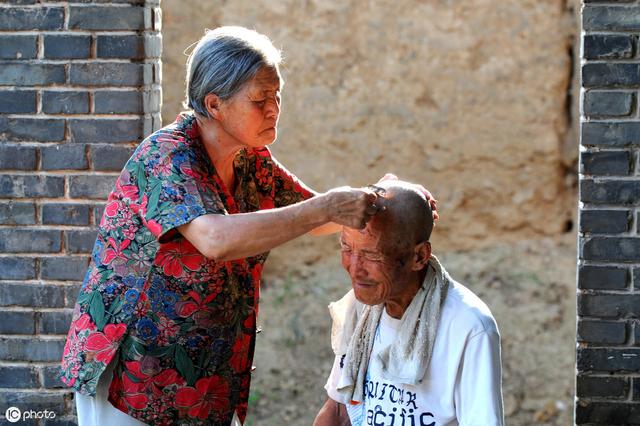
407,216
386,260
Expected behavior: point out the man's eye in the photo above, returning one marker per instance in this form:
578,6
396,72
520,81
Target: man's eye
371,256
260,103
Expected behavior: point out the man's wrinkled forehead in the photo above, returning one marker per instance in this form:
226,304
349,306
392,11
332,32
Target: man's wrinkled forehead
369,236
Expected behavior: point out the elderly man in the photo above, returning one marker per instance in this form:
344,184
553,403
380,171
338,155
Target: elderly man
413,347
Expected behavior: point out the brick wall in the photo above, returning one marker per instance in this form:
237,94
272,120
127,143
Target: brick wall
79,87
608,354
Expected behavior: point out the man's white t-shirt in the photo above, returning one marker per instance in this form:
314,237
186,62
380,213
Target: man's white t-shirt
463,382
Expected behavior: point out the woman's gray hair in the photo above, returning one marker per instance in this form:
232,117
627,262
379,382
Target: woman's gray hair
223,60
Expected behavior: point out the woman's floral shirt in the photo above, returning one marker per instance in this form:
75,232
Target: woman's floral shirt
181,327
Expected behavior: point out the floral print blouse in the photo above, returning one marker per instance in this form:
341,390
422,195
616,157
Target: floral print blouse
181,327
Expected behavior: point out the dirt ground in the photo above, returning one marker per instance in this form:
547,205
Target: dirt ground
529,286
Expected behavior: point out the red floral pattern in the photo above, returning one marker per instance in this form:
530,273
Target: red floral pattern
210,393
180,327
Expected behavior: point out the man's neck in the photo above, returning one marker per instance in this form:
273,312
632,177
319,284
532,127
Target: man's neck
396,306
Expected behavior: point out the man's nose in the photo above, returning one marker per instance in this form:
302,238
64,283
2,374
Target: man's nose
355,265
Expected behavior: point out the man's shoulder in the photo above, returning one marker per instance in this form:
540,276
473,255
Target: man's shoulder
467,311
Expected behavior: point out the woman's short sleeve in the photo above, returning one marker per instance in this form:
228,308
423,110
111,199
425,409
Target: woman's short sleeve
288,189
174,186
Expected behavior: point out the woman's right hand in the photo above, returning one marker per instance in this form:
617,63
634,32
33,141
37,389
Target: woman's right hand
351,207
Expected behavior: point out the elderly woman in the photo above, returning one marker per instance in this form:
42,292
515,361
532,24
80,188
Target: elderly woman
164,325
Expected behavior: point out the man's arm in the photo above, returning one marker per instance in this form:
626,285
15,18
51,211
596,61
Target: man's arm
478,393
332,413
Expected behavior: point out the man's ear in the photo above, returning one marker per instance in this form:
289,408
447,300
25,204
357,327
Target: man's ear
212,104
421,255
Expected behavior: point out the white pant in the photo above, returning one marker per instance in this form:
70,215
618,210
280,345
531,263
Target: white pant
98,411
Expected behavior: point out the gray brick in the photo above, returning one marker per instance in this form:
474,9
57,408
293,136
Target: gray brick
58,322
16,213
602,332
607,413
65,214
107,74
98,211
611,18
17,268
71,293
17,157
34,401
106,18
129,46
603,104
153,46
31,129
619,192
636,335
29,241
151,101
611,249
605,221
607,163
64,157
636,388
120,46
17,322
67,46
36,295
17,101
110,158
31,349
18,46
20,1
610,134
598,46
50,379
610,75
602,277
20,74
610,306
609,360
636,281
41,18
18,377
65,102
63,268
118,102
79,241
608,387
94,187
31,186
106,130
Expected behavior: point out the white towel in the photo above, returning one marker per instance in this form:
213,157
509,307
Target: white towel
407,360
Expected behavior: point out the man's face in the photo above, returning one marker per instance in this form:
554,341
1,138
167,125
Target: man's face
378,267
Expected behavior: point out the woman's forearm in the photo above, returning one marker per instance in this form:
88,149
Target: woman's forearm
227,237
